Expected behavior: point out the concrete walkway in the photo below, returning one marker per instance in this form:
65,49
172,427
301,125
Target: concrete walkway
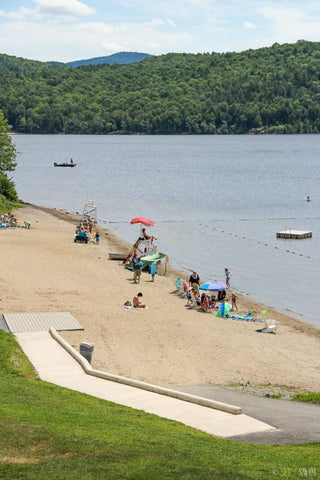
55,365
295,422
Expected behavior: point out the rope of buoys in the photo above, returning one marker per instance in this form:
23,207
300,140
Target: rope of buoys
264,244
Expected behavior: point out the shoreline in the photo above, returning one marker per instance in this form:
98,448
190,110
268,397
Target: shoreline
167,344
124,246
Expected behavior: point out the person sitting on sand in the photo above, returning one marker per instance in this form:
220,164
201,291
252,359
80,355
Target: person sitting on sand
222,295
136,301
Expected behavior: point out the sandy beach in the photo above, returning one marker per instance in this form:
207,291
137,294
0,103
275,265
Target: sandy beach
168,344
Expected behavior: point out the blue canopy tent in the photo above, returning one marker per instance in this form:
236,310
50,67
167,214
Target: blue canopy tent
223,309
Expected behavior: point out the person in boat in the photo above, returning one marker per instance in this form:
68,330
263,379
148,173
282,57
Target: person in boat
145,236
136,301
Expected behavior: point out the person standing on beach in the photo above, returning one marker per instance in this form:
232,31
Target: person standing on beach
228,276
234,299
137,268
194,278
153,270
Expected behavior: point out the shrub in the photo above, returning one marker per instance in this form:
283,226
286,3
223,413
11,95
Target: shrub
7,188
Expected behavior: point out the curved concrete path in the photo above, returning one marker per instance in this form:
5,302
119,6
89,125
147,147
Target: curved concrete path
295,422
54,364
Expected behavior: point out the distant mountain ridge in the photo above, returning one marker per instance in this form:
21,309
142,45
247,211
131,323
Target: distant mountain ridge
120,58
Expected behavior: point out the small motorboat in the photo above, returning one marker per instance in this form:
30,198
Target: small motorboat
65,164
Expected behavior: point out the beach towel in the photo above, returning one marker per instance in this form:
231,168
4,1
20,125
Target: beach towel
244,317
129,305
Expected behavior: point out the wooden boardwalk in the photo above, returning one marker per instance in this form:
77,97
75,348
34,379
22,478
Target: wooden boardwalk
40,322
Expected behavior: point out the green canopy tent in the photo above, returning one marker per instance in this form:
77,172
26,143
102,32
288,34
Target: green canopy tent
149,259
223,309
155,257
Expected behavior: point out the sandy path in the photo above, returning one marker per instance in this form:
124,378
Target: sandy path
168,344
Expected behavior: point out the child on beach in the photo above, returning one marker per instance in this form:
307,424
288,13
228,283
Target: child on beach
136,301
153,270
234,299
97,237
228,276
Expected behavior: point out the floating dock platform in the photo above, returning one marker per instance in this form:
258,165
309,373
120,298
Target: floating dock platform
294,234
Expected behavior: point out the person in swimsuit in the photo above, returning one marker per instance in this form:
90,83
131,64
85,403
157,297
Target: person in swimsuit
145,236
228,276
136,301
234,299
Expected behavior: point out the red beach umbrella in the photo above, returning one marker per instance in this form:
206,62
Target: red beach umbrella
143,220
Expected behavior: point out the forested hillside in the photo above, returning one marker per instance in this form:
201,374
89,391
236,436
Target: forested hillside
269,90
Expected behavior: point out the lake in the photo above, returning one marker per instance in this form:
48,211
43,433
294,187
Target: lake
217,202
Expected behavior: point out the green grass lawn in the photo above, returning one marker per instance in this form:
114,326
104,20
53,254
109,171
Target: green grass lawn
51,433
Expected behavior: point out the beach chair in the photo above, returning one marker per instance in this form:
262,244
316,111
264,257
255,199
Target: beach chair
192,302
207,304
189,300
81,237
270,326
179,287
185,287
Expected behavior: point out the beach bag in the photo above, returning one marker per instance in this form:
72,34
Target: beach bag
127,304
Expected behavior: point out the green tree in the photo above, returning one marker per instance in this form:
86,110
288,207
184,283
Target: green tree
7,188
274,89
8,151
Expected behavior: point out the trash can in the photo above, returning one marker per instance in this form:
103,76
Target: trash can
86,350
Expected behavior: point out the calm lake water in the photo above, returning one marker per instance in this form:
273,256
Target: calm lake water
217,201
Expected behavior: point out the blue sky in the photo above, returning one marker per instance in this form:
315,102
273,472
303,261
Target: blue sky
65,30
